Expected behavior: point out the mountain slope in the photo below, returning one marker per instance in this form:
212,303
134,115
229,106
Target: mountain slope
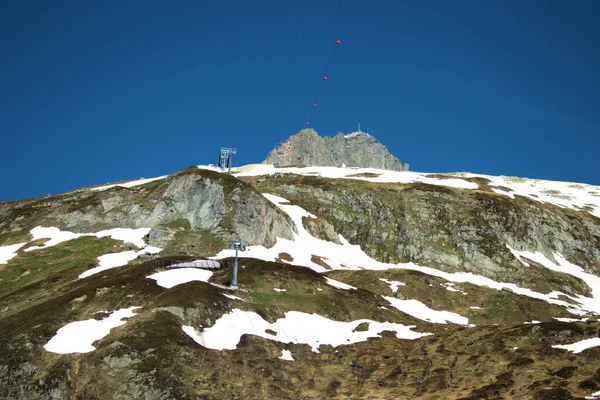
498,281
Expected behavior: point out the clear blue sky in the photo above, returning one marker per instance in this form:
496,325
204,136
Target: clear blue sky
94,92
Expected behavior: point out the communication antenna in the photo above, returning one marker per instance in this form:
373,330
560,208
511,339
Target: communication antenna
237,245
225,159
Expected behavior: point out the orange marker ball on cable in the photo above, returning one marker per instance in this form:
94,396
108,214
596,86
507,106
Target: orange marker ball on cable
324,78
338,41
315,105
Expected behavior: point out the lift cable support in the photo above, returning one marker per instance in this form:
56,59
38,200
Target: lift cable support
225,159
338,26
237,245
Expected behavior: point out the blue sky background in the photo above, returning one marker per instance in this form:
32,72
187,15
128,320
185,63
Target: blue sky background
94,92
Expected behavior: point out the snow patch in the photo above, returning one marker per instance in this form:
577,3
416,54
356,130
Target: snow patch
580,346
174,277
587,304
114,260
9,252
232,297
571,319
339,285
286,355
450,287
419,310
129,184
295,327
393,284
383,176
56,236
279,290
78,337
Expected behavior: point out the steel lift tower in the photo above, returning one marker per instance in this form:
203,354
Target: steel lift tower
225,159
237,245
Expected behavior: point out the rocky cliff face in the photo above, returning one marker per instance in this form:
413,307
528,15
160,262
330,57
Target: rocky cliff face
359,149
447,228
192,200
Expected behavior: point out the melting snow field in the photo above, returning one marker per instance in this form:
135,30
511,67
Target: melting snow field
591,304
580,346
77,337
107,261
56,236
562,194
351,257
174,277
114,260
419,310
295,327
383,176
8,252
338,284
129,184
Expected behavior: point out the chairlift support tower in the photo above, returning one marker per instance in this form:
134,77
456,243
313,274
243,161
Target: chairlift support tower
237,245
225,158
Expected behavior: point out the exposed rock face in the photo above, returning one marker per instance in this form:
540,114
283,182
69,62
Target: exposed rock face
448,229
193,199
359,149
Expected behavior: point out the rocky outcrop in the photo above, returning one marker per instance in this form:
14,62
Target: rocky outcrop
449,229
358,149
192,200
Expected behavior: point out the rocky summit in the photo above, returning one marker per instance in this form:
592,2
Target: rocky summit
358,282
358,149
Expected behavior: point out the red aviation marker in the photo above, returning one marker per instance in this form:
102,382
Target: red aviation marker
338,41
324,78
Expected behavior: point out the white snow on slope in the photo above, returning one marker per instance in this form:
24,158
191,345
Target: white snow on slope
580,346
587,303
593,395
56,236
419,310
383,176
130,184
570,319
232,297
107,261
174,277
562,194
393,284
348,256
114,260
286,355
9,252
77,337
295,327
338,284
450,287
